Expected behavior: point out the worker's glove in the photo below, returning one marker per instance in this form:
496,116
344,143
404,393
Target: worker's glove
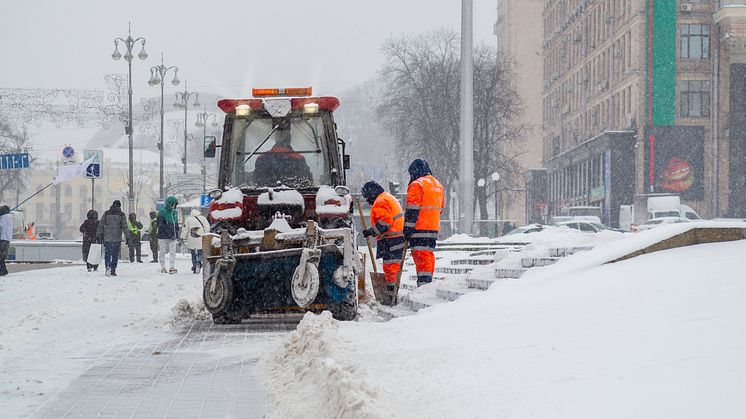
368,232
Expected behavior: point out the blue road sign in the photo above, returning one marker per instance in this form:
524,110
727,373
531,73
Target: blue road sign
205,200
68,152
93,171
14,161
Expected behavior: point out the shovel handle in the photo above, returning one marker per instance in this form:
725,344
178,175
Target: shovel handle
367,239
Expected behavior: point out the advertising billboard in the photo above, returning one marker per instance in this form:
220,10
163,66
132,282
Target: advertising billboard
678,160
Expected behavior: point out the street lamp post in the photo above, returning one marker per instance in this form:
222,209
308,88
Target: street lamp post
182,101
129,43
157,76
202,118
496,178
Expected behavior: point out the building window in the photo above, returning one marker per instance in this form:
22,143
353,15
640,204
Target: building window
695,98
695,41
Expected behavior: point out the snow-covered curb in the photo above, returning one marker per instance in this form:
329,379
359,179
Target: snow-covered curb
309,376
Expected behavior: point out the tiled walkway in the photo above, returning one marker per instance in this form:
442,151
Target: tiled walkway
205,371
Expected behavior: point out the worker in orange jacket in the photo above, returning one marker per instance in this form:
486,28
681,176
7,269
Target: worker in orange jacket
386,225
425,201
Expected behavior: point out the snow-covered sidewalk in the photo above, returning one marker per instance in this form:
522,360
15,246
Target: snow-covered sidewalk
58,322
657,336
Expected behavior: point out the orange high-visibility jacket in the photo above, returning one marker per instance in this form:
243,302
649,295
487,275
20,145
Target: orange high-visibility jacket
386,216
426,195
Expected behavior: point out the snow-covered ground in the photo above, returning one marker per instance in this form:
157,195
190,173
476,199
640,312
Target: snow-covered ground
657,336
58,322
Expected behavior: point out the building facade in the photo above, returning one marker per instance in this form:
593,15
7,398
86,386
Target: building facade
524,50
662,75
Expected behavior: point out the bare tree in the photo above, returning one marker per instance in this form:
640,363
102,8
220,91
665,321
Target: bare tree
14,141
420,106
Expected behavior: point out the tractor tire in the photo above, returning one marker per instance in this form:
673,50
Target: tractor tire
225,319
346,311
217,300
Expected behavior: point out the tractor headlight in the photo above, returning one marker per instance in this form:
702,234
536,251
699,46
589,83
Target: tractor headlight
243,110
342,190
311,108
215,194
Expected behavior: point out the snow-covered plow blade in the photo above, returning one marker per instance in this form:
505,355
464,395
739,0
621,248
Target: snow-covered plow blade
244,277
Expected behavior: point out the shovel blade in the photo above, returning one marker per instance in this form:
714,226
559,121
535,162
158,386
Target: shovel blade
379,287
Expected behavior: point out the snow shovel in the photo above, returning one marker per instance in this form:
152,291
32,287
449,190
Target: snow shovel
377,279
395,296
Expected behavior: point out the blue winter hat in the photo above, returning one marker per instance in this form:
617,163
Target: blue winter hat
418,169
371,190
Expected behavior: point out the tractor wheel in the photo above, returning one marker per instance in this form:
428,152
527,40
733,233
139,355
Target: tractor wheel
225,319
345,311
217,294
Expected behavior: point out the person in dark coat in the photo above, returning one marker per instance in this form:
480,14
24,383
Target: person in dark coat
135,239
6,235
112,226
89,228
153,236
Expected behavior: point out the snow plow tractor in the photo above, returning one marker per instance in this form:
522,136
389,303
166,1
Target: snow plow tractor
281,233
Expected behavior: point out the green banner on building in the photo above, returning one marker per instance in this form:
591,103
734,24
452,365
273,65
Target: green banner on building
664,60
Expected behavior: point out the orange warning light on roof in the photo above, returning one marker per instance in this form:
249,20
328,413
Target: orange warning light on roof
289,91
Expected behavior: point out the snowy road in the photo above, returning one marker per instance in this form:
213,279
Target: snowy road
79,344
202,371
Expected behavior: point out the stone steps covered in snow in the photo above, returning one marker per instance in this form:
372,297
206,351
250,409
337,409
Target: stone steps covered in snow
454,270
390,313
480,283
473,261
452,293
512,273
559,252
533,262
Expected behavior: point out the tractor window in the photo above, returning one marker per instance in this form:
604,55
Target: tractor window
295,155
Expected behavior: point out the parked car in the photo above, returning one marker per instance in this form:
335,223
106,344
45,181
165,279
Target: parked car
530,228
586,226
657,222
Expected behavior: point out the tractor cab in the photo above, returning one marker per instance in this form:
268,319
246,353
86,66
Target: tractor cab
282,237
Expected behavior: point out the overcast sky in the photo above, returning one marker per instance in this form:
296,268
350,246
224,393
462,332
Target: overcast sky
225,47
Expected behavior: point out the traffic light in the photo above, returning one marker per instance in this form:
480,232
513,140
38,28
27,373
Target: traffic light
394,188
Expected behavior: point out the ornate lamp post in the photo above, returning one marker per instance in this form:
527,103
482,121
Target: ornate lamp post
202,118
157,76
182,101
129,43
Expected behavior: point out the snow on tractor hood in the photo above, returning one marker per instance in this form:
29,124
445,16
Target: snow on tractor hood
328,201
281,197
228,207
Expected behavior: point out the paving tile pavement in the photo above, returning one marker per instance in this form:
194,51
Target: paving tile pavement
203,371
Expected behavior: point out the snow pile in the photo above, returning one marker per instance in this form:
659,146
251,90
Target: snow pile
655,336
230,206
281,197
465,238
226,214
309,376
186,312
329,202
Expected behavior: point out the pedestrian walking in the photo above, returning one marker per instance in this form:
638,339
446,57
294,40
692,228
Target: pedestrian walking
111,227
89,228
6,235
168,234
153,236
194,227
386,225
135,239
425,201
